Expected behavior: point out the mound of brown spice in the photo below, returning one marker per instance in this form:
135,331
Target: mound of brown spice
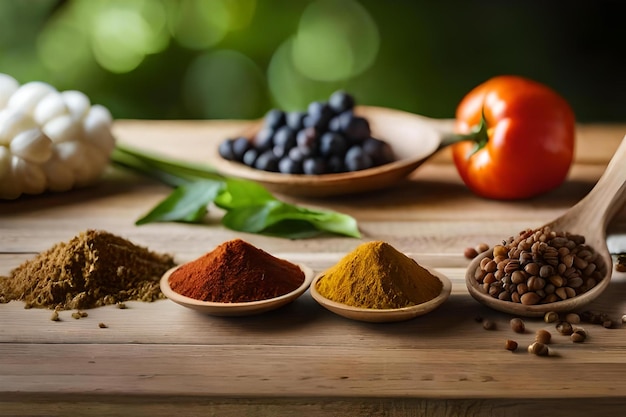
236,272
93,269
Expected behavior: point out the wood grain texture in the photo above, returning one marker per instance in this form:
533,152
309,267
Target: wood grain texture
159,358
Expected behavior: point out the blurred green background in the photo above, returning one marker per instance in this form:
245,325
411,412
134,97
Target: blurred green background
182,59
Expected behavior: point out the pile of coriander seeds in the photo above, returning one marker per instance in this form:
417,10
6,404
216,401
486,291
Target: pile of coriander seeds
540,266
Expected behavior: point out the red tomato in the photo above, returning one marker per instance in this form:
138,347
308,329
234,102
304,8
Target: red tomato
526,144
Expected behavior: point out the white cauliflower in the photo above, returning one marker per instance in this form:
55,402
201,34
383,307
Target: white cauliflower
50,140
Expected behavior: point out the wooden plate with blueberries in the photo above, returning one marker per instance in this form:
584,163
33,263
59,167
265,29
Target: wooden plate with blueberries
332,148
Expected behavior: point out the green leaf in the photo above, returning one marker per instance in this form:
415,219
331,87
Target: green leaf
281,219
249,206
243,193
187,203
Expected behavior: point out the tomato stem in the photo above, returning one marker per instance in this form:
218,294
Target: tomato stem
479,135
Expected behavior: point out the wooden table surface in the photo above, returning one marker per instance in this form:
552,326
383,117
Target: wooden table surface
160,359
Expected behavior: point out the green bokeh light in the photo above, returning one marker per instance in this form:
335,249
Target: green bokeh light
198,24
336,40
290,89
224,84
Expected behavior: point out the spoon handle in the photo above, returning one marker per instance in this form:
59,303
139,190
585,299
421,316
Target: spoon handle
608,195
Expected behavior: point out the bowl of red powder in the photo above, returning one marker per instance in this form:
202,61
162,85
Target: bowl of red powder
236,279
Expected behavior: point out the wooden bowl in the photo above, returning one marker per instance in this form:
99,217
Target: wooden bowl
384,315
235,309
412,138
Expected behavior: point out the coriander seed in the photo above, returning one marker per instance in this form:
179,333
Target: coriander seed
482,247
564,328
538,349
55,316
551,317
102,325
489,325
510,345
518,325
470,253
543,336
578,335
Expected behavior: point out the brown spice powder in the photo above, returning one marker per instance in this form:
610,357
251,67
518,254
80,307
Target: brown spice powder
93,269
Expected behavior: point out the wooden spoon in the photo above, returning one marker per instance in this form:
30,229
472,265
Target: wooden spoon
413,139
589,218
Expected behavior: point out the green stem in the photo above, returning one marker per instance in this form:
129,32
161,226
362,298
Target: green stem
478,135
168,171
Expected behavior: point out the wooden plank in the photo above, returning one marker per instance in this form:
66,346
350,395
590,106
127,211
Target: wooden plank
154,358
97,406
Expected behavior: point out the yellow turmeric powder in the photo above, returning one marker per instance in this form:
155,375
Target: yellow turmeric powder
376,275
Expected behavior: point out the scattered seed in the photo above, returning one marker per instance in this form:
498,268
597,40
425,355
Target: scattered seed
83,313
564,328
607,324
102,325
518,325
482,247
510,345
543,336
470,253
572,318
121,306
578,335
76,315
551,317
624,318
539,349
489,325
55,316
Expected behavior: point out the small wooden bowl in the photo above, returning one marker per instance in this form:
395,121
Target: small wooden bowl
538,310
413,139
235,309
589,218
383,315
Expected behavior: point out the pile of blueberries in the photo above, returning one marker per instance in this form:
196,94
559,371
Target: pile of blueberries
327,138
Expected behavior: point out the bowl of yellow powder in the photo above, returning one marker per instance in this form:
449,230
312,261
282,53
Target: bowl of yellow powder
377,283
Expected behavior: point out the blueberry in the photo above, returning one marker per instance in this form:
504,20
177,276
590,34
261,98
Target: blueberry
274,119
314,166
378,150
280,151
332,143
240,147
285,137
249,158
335,164
319,108
317,121
306,140
226,149
341,101
264,139
295,119
357,129
267,161
356,159
340,122
297,154
288,166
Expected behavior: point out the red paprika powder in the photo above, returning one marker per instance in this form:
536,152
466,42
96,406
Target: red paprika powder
236,272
